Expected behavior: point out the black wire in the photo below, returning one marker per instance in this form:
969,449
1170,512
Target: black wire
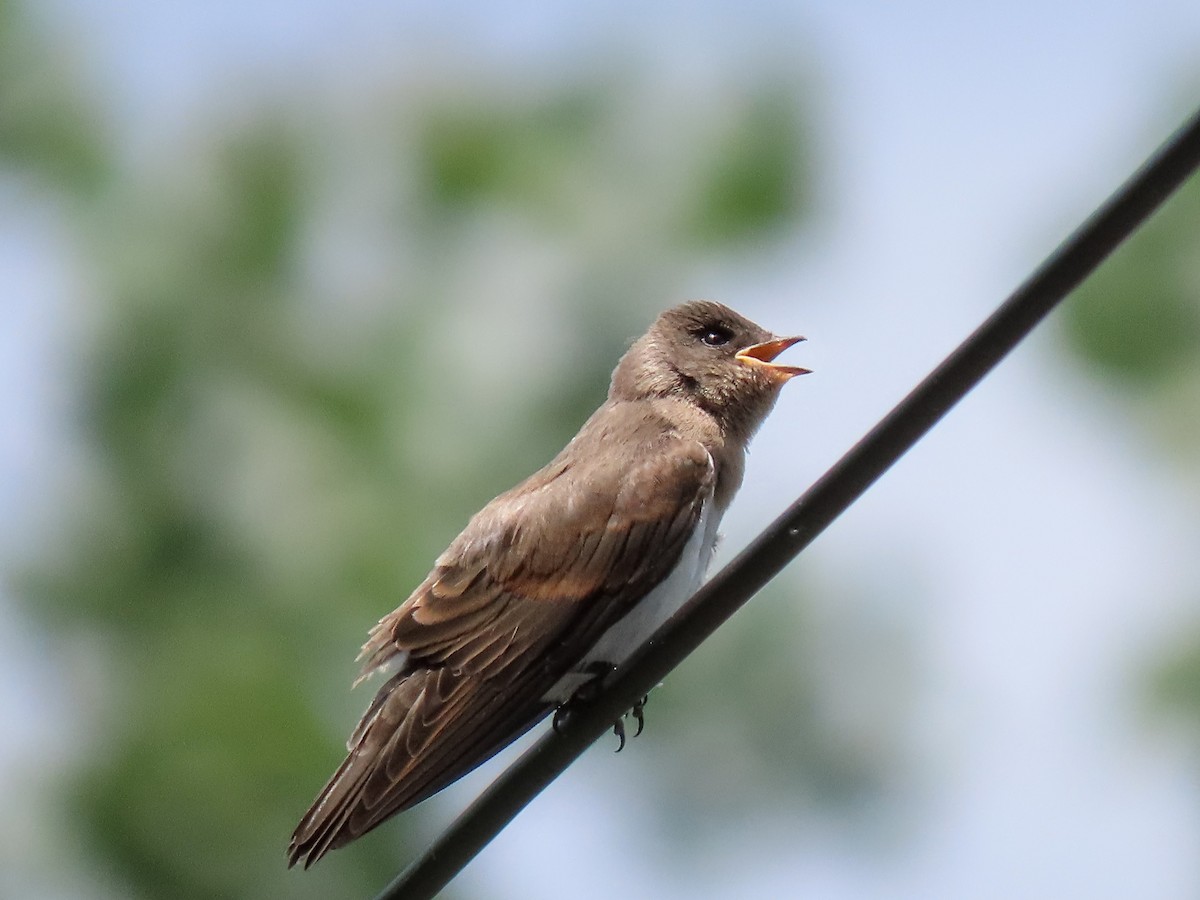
1074,260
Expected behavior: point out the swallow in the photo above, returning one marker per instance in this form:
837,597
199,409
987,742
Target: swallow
558,581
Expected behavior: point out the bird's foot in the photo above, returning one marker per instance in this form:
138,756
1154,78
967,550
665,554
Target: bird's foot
588,692
584,694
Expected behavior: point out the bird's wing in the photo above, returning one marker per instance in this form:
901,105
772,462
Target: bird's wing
531,583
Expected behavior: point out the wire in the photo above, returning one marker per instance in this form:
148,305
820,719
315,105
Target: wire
1076,258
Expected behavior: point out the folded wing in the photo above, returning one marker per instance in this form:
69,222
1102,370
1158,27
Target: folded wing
531,583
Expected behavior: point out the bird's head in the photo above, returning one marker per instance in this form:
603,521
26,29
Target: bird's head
706,353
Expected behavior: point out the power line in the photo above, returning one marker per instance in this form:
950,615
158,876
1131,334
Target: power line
1076,258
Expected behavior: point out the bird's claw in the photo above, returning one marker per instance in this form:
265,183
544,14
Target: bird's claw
639,714
619,731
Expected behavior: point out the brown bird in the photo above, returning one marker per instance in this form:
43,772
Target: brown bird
557,581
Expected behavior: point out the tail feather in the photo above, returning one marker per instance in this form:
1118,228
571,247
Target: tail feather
323,826
424,730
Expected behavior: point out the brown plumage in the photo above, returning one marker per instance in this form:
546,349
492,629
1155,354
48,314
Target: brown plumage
486,645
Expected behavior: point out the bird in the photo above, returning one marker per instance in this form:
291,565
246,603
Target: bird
557,581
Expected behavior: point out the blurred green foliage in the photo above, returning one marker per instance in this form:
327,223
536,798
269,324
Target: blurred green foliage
47,127
1136,325
1175,683
273,464
1138,321
753,176
472,152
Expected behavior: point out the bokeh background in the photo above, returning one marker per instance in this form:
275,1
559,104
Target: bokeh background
290,289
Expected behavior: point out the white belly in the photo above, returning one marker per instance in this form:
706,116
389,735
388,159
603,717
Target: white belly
627,634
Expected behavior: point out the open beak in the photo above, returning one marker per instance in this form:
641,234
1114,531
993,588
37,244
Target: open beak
764,355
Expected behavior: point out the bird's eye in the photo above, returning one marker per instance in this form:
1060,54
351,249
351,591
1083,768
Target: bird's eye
715,335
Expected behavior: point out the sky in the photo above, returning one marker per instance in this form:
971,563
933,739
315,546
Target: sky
1049,557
